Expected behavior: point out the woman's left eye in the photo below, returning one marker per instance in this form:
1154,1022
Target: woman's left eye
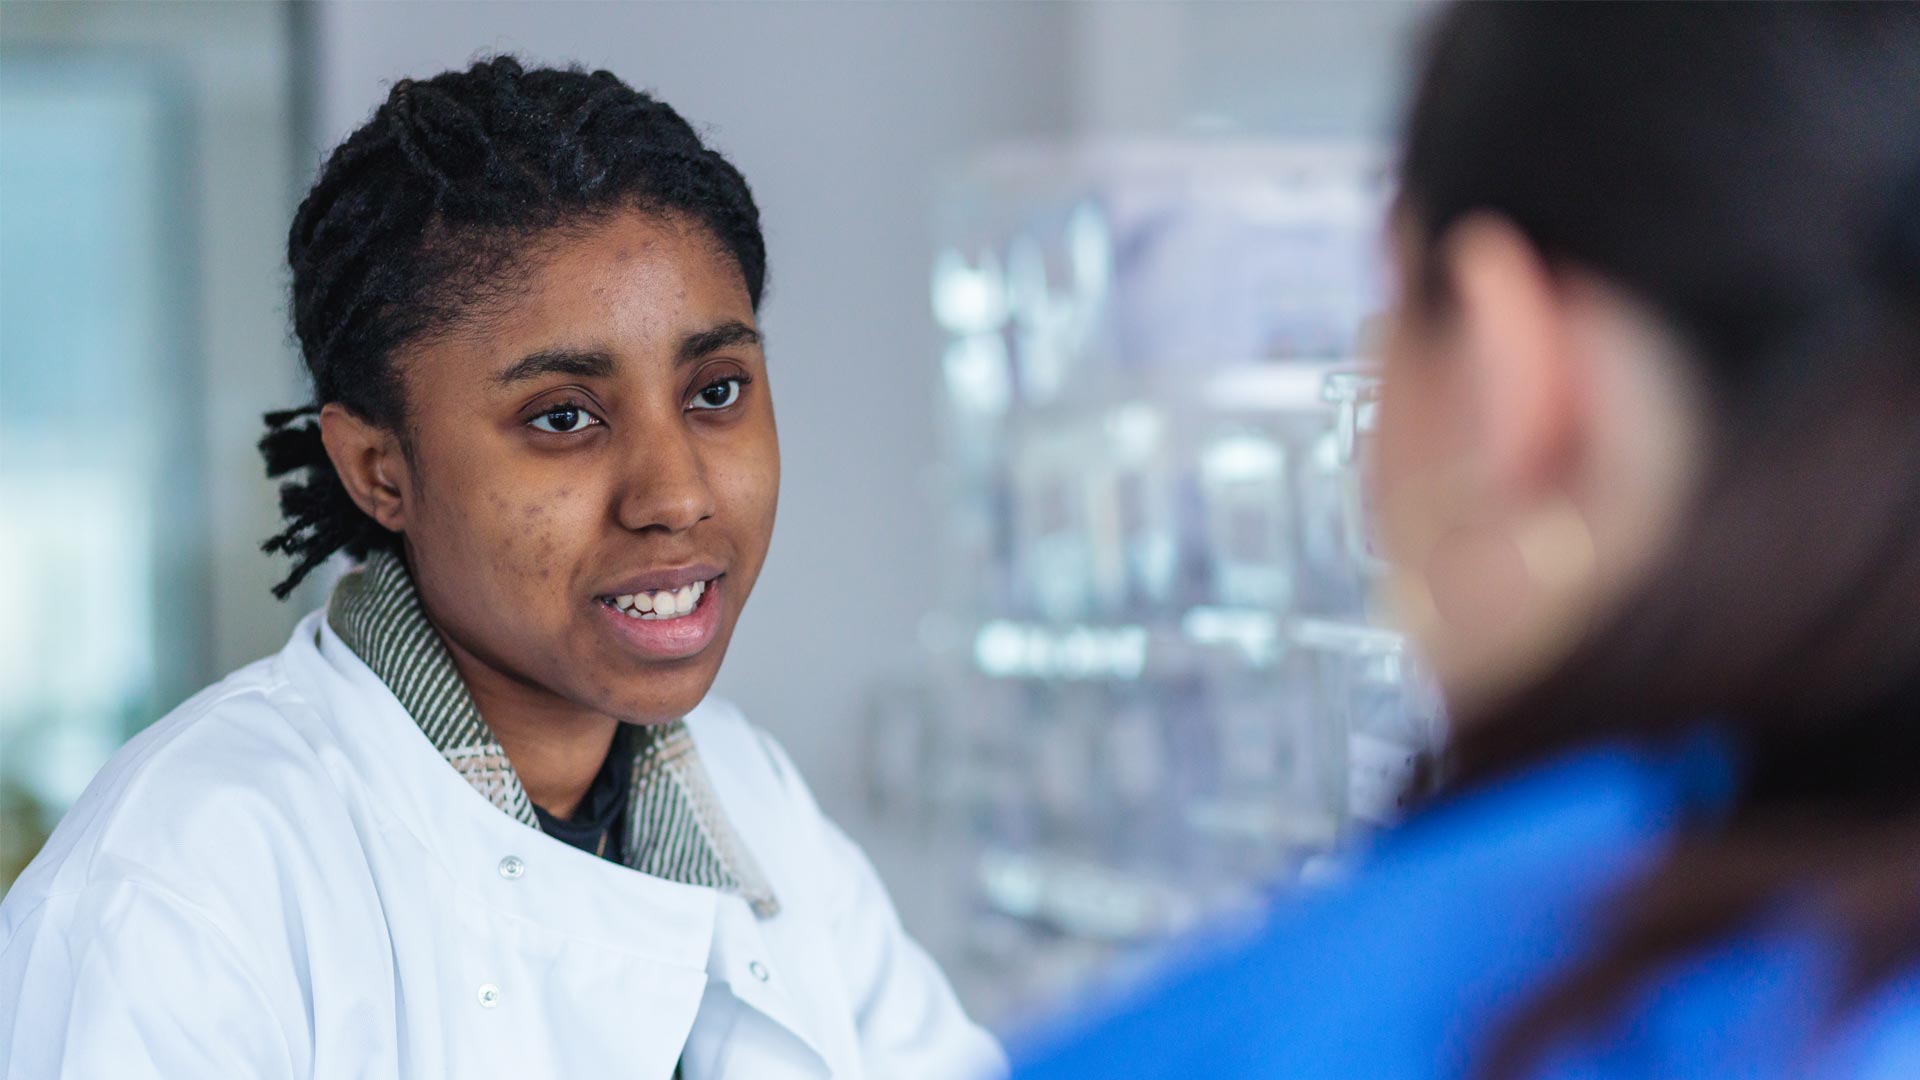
719,395
564,420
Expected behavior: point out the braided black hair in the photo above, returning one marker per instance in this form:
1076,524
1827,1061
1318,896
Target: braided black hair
418,221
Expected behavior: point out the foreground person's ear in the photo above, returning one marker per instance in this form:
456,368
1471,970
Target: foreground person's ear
371,464
1518,341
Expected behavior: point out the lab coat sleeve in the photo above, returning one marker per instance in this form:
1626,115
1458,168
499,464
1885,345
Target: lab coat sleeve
125,980
910,1022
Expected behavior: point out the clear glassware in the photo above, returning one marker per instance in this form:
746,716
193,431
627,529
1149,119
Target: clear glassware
1157,415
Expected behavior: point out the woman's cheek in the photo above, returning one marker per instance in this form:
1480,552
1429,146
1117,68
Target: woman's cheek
1389,472
531,534
752,489
750,475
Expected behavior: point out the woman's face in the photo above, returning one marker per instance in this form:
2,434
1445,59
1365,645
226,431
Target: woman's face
1420,445
592,472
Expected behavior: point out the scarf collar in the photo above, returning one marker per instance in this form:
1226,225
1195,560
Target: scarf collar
675,826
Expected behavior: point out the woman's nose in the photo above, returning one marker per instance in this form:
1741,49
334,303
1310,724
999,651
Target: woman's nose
665,484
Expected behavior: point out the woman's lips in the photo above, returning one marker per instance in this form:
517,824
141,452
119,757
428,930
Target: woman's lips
660,635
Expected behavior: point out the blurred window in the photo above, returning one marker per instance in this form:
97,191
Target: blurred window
102,606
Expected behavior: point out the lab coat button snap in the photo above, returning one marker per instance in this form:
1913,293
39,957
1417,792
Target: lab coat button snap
759,971
489,995
512,867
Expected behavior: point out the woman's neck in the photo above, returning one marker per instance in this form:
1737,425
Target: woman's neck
556,747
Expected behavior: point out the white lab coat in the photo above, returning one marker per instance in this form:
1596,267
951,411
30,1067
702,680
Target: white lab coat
284,879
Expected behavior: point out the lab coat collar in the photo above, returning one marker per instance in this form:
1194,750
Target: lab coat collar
409,782
684,927
676,828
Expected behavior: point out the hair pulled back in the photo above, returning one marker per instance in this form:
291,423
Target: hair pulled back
1752,173
422,216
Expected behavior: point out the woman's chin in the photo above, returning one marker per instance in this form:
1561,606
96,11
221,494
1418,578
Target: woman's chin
657,692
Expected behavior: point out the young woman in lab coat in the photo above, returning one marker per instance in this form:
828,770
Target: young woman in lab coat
1649,466
479,817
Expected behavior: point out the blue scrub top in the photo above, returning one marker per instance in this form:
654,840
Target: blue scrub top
1409,967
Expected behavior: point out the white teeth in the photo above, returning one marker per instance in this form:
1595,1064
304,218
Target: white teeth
665,604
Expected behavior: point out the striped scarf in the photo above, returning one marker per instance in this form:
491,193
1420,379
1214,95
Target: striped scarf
676,828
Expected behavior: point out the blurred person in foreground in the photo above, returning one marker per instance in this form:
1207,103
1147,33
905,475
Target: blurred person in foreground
1649,470
480,816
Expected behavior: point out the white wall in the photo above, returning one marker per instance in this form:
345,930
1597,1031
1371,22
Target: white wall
1315,68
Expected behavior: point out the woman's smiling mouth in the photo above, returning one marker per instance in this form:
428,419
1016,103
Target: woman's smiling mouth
669,622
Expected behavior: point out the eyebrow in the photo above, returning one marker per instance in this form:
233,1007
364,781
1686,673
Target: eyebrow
706,342
599,363
583,363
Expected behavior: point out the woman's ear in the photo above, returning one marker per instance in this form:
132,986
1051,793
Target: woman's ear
1517,338
371,464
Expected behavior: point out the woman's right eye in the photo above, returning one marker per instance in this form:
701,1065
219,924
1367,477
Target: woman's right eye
564,420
